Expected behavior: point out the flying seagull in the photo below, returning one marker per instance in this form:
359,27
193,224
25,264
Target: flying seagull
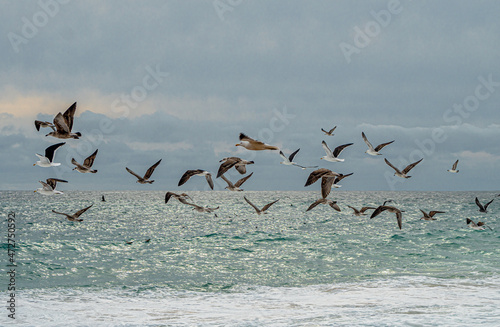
430,215
197,172
333,156
454,168
49,187
87,164
479,226
481,207
202,209
39,123
75,216
373,151
230,162
264,208
360,212
338,179
145,179
327,178
399,215
47,160
236,186
331,203
180,197
64,124
289,161
329,133
405,171
251,144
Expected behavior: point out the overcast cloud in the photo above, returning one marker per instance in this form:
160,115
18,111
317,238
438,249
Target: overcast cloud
179,80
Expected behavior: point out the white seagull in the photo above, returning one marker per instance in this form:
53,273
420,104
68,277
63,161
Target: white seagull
147,175
264,208
373,151
289,161
47,160
251,144
454,168
49,187
64,124
197,172
479,226
404,172
333,156
87,164
180,197
236,186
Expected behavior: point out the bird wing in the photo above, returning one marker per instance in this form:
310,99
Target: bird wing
151,170
74,162
331,131
89,161
432,213
455,165
334,205
242,169
130,171
228,164
390,165
210,181
282,155
314,204
243,180
68,115
46,186
269,205
366,208
324,131
399,217
79,212
315,175
37,124
53,182
51,150
227,181
250,203
326,186
487,204
410,166
340,148
380,146
378,211
61,213
186,176
61,124
293,155
424,213
341,177
479,204
168,195
327,149
366,141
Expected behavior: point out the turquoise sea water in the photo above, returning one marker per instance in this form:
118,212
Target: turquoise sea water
286,268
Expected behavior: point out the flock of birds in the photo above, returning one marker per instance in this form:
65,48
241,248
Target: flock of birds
62,128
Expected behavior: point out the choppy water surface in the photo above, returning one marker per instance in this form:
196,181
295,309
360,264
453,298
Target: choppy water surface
286,268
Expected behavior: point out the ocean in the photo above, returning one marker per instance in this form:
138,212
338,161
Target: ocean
236,268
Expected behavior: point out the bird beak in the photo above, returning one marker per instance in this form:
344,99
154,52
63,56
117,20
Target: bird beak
237,144
34,164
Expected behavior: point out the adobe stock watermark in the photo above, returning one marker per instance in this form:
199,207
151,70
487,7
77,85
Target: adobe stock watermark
123,104
363,37
223,6
31,27
455,117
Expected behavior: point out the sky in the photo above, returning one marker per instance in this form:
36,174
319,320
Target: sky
179,80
